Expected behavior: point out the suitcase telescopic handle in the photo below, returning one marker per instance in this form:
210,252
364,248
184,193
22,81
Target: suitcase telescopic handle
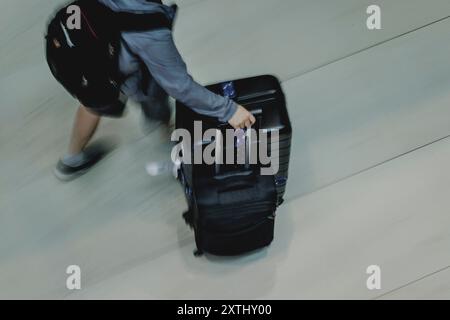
248,136
257,113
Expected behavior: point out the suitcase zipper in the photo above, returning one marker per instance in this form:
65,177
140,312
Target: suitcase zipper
245,229
230,220
241,207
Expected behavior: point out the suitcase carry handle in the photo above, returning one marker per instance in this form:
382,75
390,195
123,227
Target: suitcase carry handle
237,185
234,174
252,96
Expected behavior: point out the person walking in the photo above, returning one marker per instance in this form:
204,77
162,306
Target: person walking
153,56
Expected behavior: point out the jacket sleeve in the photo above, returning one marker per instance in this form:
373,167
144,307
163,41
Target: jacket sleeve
158,51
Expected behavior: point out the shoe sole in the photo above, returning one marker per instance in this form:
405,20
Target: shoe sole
68,177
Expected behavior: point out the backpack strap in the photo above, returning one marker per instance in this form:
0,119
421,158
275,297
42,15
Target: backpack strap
126,21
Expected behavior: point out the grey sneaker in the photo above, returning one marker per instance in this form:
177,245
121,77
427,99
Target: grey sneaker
92,155
158,168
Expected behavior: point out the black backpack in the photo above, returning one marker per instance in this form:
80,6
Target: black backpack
85,60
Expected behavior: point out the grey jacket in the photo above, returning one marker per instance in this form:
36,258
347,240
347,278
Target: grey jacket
157,50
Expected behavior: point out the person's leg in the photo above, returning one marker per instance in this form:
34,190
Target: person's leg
84,127
81,158
155,107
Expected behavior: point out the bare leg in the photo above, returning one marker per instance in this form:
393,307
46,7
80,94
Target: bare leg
85,125
81,157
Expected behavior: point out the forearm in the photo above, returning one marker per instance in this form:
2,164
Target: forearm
199,99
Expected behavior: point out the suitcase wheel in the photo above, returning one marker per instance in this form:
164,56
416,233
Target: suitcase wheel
188,218
198,253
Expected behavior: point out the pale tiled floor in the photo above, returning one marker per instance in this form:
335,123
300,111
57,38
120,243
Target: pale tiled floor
369,182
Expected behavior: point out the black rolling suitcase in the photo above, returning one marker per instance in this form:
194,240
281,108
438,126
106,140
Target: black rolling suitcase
232,206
